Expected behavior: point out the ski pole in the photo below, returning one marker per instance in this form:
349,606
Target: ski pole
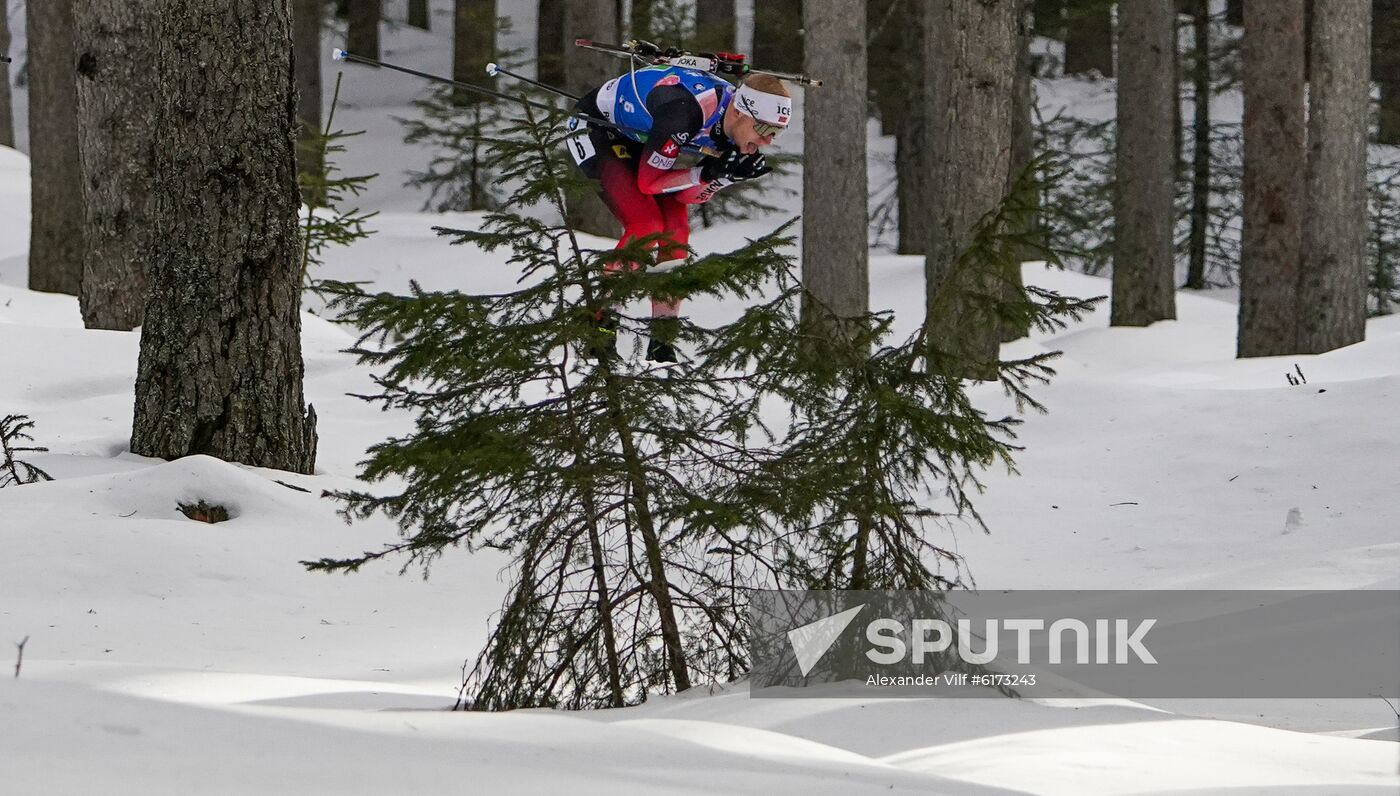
495,69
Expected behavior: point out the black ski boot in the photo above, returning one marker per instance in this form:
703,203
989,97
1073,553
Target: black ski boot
662,333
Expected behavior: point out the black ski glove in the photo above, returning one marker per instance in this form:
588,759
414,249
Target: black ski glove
734,167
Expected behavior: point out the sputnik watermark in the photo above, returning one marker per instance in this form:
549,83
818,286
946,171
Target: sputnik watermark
1125,638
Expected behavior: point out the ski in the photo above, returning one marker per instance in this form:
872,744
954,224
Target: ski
718,63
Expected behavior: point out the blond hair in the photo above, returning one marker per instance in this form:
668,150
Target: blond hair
768,84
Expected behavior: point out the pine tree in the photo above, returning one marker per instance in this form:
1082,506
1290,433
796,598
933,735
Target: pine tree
220,371
777,35
1332,291
1089,37
308,18
970,73
549,42
1144,266
835,247
328,221
1201,91
473,46
56,196
1385,67
1275,169
640,510
362,36
7,119
585,70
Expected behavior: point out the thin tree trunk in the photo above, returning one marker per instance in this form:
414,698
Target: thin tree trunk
1200,158
473,45
835,238
1385,67
549,43
419,15
55,237
777,34
1275,165
1234,13
585,70
1143,265
308,17
1089,37
220,371
1049,18
715,25
897,73
970,47
363,35
639,23
117,93
7,119
1022,152
1332,293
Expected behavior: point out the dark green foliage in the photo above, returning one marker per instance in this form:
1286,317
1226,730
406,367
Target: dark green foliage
14,430
328,221
639,507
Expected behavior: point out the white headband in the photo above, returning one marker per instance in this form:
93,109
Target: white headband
770,108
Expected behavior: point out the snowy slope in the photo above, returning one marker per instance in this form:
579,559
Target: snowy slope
167,656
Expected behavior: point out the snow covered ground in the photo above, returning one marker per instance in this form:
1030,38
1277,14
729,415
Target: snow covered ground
166,656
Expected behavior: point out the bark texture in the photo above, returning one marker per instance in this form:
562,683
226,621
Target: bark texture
970,51
7,119
1200,150
220,371
117,90
1385,66
896,77
549,42
418,15
1022,150
1332,292
1089,37
585,70
56,198
1275,169
835,245
1143,263
363,33
473,45
308,17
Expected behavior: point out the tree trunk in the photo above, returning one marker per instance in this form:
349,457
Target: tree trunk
1143,266
896,67
419,15
970,47
1022,151
1200,157
307,19
835,238
1332,293
1385,67
55,238
1234,12
716,24
473,46
585,70
220,371
777,35
639,23
1049,18
1089,37
117,91
549,43
1275,168
362,37
7,119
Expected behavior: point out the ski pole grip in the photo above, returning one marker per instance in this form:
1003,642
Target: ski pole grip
338,54
493,70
